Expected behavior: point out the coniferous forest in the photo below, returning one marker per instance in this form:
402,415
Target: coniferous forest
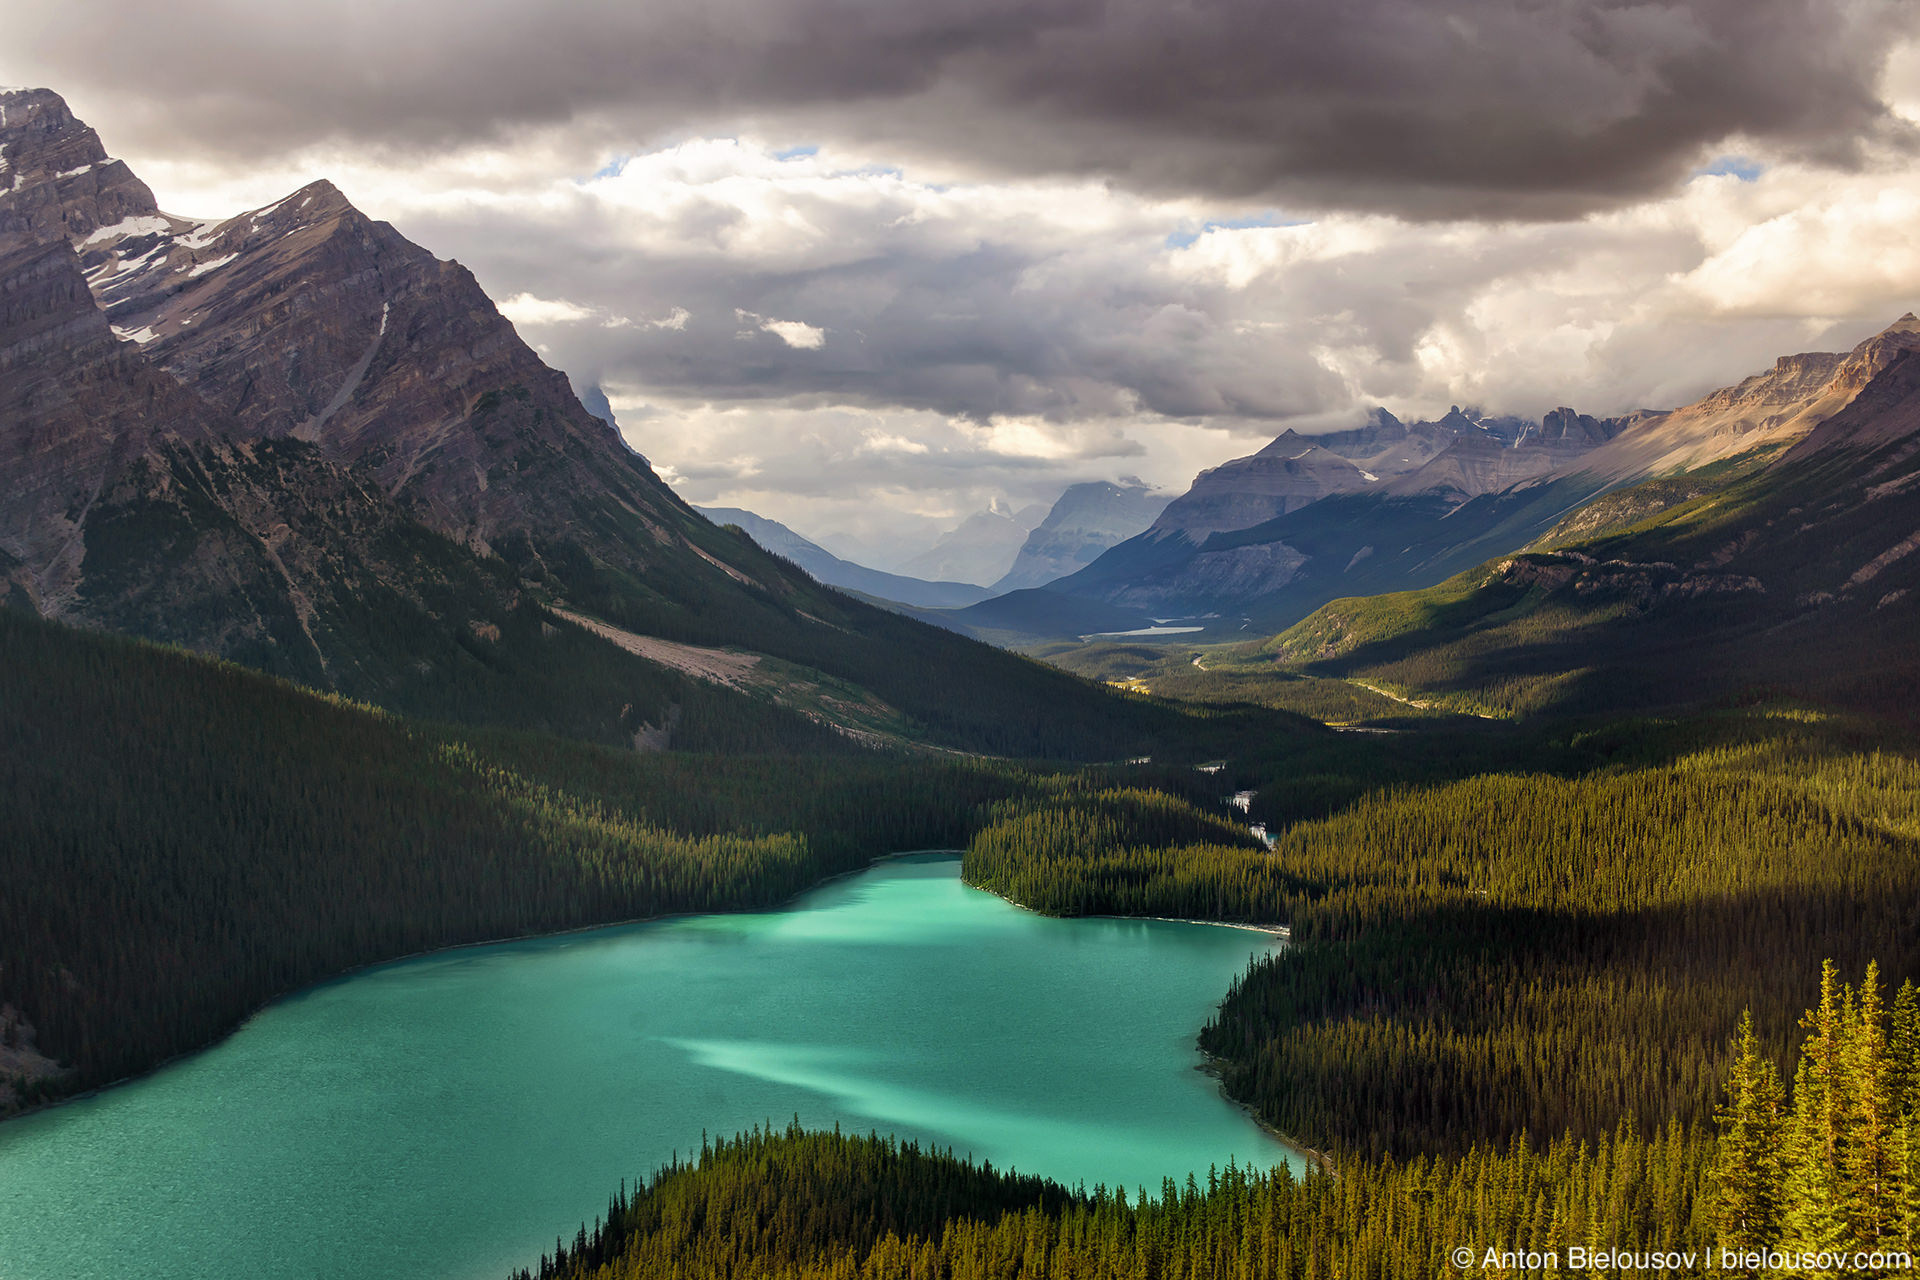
1543,988
186,839
1821,1177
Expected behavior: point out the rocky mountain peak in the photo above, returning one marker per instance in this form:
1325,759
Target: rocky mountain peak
1866,360
1565,426
1287,474
1085,520
41,136
1287,444
1880,383
56,179
315,204
308,319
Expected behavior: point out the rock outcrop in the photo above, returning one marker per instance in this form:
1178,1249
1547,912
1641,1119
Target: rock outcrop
77,409
57,181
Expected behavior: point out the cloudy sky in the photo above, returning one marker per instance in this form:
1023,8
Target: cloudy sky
866,265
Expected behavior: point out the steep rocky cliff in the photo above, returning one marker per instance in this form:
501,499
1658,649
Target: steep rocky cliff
296,439
151,357
77,408
1288,474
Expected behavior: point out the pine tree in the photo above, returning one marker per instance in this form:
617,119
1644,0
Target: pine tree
1869,1173
1747,1172
1812,1219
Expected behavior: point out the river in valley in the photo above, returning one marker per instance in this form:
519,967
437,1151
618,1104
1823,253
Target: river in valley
447,1116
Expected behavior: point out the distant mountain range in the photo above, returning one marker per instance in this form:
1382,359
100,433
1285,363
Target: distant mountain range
981,549
1260,542
1085,520
295,439
1774,548
1255,540
835,572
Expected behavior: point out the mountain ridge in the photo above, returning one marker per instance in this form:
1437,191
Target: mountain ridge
1791,563
1494,480
295,439
833,571
1084,520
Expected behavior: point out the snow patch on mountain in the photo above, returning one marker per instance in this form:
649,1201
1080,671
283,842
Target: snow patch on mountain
218,263
126,228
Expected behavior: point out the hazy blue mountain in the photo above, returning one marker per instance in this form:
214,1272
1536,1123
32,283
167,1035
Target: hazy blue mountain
830,569
981,549
1086,520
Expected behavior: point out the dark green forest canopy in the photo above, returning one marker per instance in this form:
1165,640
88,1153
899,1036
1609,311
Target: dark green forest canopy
1829,1165
1462,938
188,838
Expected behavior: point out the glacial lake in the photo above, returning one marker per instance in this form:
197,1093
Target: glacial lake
448,1116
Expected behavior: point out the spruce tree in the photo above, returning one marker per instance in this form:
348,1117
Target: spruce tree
1869,1176
1812,1221
1747,1172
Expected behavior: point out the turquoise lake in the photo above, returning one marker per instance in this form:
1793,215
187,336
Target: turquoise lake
448,1116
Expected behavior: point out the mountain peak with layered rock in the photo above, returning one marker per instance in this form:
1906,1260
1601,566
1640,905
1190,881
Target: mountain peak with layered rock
136,337
1286,474
305,318
1084,521
56,175
1771,409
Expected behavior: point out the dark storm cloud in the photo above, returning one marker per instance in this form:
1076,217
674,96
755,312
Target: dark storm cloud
1524,108
992,330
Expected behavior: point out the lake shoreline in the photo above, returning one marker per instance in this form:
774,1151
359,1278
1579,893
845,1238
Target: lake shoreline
911,1004
341,974
1281,932
1217,1068
1209,1064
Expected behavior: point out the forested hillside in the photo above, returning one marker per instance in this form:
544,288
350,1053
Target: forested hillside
1771,1185
186,839
1786,569
1457,945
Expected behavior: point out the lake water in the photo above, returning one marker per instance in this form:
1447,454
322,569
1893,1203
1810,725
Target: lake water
448,1116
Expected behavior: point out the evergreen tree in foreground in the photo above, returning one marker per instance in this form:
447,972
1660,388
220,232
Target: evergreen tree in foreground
1835,1172
1831,1168
1748,1167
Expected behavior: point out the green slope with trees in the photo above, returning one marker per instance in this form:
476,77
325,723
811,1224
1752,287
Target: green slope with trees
1457,943
186,838
1775,1182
